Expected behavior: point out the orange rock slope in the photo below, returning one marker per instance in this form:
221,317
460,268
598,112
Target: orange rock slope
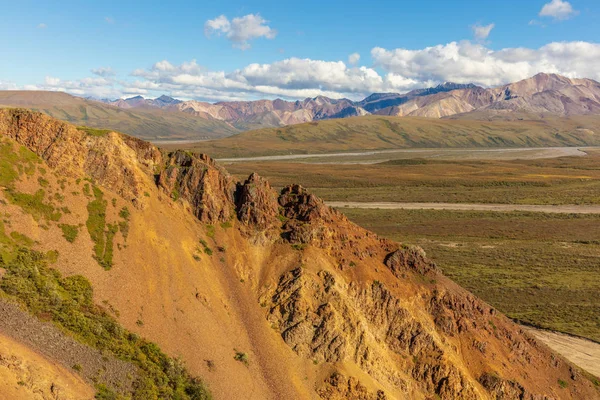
270,295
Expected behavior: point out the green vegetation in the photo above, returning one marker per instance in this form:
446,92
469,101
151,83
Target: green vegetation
537,268
124,213
242,357
21,239
70,232
206,249
124,224
102,234
381,132
14,161
104,393
564,180
94,131
562,384
68,301
33,204
210,231
43,182
143,123
226,225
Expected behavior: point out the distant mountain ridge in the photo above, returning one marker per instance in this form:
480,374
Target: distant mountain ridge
541,94
167,118
252,114
146,119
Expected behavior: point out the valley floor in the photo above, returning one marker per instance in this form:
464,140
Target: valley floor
564,209
378,156
579,351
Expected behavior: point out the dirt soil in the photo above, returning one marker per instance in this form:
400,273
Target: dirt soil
25,374
581,352
46,339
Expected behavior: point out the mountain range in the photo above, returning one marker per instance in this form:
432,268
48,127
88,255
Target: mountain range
127,271
537,96
166,118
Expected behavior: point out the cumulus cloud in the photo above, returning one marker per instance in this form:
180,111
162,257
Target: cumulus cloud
240,30
466,62
482,32
558,9
104,71
42,26
353,58
394,70
5,85
99,87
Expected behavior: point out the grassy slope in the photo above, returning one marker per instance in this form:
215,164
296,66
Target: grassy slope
143,123
167,282
28,276
378,132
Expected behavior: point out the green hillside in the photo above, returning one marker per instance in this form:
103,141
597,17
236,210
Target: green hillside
149,124
378,132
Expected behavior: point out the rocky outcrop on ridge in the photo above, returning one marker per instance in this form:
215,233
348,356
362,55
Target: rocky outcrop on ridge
374,319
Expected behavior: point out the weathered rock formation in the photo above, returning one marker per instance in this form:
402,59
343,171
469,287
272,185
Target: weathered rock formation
374,319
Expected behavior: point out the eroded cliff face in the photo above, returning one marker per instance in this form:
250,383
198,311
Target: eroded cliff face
372,319
197,179
121,163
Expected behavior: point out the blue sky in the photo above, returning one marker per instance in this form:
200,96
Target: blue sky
289,49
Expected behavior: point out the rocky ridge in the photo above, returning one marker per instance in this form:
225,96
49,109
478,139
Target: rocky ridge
377,319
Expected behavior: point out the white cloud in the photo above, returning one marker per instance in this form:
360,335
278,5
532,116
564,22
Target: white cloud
482,32
240,30
353,58
395,70
51,81
96,87
558,9
104,71
466,62
42,26
535,22
4,85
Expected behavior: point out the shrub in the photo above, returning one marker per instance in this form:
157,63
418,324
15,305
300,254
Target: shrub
210,231
68,301
226,225
70,232
241,357
102,234
124,213
33,204
562,384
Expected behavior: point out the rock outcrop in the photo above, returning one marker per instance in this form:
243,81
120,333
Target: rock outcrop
197,179
122,163
340,387
257,204
370,318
